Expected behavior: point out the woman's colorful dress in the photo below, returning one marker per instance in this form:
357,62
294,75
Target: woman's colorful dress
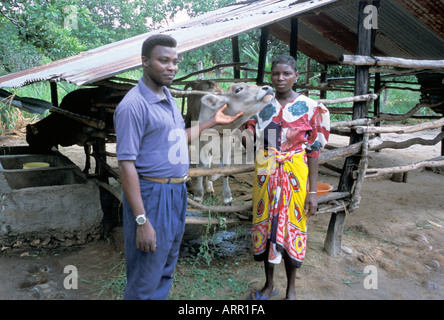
287,135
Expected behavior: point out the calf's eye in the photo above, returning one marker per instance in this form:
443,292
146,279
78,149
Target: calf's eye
239,90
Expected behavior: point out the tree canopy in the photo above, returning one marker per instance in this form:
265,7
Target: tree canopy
40,31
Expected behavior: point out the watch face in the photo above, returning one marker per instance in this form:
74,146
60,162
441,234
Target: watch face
141,220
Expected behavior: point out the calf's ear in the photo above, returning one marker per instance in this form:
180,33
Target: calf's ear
213,101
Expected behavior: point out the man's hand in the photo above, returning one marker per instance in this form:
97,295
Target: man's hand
146,238
218,118
221,118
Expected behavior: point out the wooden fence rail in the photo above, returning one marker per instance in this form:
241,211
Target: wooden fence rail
360,60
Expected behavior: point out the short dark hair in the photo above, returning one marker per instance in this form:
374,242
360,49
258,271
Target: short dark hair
157,40
285,59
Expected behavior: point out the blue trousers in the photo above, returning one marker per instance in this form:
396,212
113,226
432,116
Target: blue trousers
149,275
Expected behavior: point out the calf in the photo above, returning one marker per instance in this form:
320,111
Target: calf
241,97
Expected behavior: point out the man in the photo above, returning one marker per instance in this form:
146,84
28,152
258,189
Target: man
155,195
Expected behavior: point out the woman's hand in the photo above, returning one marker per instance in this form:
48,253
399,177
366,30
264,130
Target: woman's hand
311,204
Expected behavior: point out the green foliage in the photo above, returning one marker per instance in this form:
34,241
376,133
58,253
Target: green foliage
40,24
194,282
40,31
221,52
15,54
196,7
8,117
60,28
253,54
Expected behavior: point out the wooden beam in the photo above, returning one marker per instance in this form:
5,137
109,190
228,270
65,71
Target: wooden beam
199,172
208,220
54,94
434,163
402,129
98,124
323,79
294,38
333,240
364,97
410,142
116,192
351,123
227,209
323,158
356,195
262,55
365,45
218,66
236,56
367,60
377,102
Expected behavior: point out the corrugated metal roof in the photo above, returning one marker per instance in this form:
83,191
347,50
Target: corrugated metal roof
326,30
411,29
200,31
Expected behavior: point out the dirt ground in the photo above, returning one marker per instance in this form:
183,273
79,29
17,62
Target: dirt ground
398,229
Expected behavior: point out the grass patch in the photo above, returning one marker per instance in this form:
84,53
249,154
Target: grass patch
199,282
191,281
113,282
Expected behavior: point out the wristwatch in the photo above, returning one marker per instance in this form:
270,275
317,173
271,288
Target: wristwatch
141,219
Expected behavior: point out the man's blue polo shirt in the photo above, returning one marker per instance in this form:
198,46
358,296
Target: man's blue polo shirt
151,132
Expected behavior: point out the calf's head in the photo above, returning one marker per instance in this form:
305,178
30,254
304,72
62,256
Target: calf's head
240,97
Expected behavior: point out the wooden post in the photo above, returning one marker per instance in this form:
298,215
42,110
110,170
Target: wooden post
236,57
365,43
294,38
200,76
442,142
377,103
307,75
54,94
100,145
333,240
323,93
262,55
99,152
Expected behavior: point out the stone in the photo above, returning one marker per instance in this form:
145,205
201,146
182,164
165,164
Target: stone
346,250
431,286
434,264
35,242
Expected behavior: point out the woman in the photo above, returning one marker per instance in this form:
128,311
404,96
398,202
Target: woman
291,131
